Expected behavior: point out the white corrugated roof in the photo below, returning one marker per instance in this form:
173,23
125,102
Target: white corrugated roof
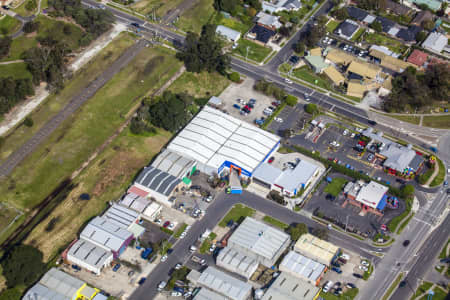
213,137
236,262
224,284
121,216
371,194
228,32
103,232
286,287
89,253
259,238
173,163
302,266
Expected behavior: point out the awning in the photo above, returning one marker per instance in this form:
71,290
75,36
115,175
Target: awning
135,190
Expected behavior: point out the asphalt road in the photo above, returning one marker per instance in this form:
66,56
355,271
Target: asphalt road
215,212
425,259
30,145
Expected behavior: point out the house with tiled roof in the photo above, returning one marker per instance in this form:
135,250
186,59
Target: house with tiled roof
418,58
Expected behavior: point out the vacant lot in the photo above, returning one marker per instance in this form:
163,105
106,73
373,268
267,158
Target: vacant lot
335,187
437,121
104,180
238,213
381,40
8,25
54,103
161,7
200,84
198,15
15,70
252,50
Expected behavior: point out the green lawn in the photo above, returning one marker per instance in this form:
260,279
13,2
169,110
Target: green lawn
275,222
8,25
15,70
21,10
409,119
441,174
306,74
255,52
237,214
18,46
380,39
335,186
198,15
443,253
48,26
348,295
439,294
200,84
204,248
437,121
332,25
369,272
162,7
424,287
404,224
74,141
358,34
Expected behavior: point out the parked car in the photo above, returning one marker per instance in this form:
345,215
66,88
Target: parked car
350,285
78,268
288,80
345,256
271,159
198,260
406,243
370,157
142,280
116,267
166,224
327,286
252,101
365,263
337,270
357,275
236,106
135,24
212,248
178,266
171,226
163,258
402,283
192,249
363,268
162,285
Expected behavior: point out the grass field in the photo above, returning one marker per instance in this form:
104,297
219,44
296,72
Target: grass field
255,52
424,287
73,142
275,222
437,121
332,25
409,119
21,10
161,6
200,84
335,186
54,103
232,23
439,294
48,26
7,215
381,40
15,70
8,25
198,15
308,75
18,46
237,214
348,295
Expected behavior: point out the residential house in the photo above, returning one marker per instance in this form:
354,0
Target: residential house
388,26
274,6
268,21
261,34
339,57
434,5
317,63
363,69
228,33
418,58
435,42
397,8
356,89
408,34
360,15
422,17
347,29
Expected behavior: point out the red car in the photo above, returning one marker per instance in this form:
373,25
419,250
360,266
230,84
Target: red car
166,224
275,103
248,107
271,160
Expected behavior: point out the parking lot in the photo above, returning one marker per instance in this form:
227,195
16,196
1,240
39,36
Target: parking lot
291,118
332,208
245,92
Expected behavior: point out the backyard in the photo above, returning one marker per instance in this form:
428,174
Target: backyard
332,25
381,40
232,23
358,34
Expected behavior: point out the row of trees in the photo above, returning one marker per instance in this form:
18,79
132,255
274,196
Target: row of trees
416,90
13,91
5,45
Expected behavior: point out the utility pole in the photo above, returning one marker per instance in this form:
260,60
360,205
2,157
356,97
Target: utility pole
246,56
346,223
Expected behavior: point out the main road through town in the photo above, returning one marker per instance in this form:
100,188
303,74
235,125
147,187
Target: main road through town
215,212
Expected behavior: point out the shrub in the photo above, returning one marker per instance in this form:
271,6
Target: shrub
297,230
235,77
311,108
30,27
291,100
28,122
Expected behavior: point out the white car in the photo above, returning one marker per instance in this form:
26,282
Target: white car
192,249
158,221
288,80
162,285
327,286
345,132
178,266
279,120
365,263
176,294
183,235
212,248
163,258
352,135
171,226
363,268
345,256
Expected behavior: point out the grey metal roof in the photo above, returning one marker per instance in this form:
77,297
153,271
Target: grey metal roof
224,284
356,13
347,28
267,173
386,23
121,215
228,33
103,232
416,162
300,175
435,41
302,266
259,238
135,202
236,262
173,163
286,287
41,292
157,180
89,253
397,157
206,294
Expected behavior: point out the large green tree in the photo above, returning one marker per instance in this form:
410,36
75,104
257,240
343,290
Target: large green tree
297,230
22,265
230,6
169,111
204,52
